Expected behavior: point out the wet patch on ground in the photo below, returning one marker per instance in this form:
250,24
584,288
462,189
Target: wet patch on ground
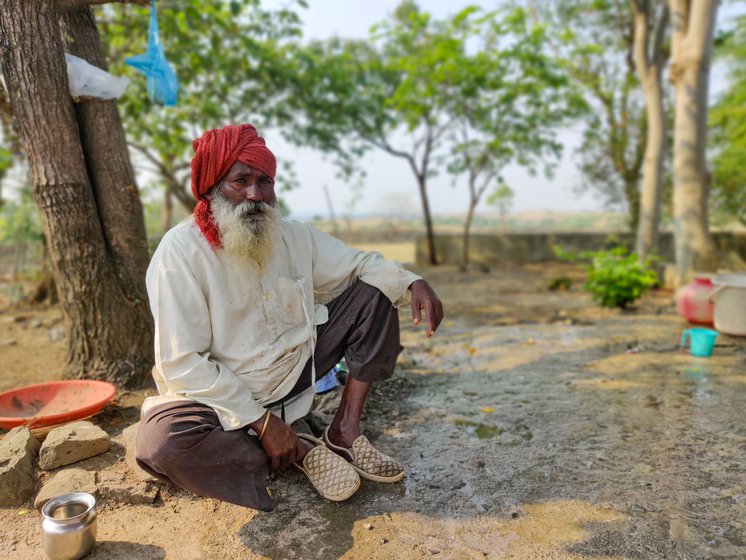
549,440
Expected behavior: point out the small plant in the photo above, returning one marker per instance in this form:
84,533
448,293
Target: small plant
559,283
616,278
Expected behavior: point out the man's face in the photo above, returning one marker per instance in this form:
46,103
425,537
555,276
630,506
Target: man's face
243,207
244,183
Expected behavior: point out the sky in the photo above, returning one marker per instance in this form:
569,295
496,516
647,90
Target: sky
389,184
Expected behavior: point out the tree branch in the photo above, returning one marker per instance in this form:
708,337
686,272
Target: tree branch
67,5
428,149
485,185
625,30
152,159
173,184
384,145
441,129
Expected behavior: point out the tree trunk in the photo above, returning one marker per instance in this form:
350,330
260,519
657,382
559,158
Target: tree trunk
85,191
503,212
181,194
332,217
652,175
632,195
693,22
649,69
422,184
168,210
467,235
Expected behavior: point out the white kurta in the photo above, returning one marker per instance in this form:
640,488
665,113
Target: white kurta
236,337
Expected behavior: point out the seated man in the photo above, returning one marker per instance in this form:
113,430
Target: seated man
248,307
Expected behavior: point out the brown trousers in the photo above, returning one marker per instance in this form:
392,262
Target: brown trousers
183,443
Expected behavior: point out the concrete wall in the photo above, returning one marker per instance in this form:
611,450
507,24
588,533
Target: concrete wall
495,249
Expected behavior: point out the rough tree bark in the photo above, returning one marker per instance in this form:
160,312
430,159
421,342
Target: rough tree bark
693,27
650,31
168,210
85,190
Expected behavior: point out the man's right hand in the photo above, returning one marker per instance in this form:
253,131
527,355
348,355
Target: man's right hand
280,442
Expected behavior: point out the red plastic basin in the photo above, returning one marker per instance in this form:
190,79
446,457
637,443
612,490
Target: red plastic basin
53,403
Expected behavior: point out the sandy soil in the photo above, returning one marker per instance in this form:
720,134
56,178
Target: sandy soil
534,425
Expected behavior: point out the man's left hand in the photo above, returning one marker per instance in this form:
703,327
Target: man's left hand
423,297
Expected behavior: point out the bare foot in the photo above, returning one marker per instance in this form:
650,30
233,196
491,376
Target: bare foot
305,446
341,437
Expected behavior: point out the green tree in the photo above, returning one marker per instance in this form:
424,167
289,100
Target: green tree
728,128
389,93
510,98
596,37
231,59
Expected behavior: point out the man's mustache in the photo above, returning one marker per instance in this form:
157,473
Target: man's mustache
254,208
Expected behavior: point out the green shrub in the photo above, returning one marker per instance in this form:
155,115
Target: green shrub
616,278
559,283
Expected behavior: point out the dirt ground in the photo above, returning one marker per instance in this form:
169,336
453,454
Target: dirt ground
533,425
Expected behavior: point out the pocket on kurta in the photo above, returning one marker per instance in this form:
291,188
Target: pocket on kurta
288,302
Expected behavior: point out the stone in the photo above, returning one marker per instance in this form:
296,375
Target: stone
72,443
55,334
18,478
129,439
64,482
118,488
35,323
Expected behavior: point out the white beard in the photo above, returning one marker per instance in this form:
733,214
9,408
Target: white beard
247,230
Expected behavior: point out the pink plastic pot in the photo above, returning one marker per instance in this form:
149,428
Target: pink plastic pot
693,301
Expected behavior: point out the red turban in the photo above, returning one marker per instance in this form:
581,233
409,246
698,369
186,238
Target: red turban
218,149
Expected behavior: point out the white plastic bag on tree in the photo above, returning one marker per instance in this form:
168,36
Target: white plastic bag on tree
87,80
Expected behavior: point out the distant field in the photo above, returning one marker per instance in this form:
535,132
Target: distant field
537,220
402,252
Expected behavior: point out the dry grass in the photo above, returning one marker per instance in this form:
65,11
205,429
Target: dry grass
403,252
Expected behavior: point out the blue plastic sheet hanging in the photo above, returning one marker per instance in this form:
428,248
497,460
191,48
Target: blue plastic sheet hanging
163,86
